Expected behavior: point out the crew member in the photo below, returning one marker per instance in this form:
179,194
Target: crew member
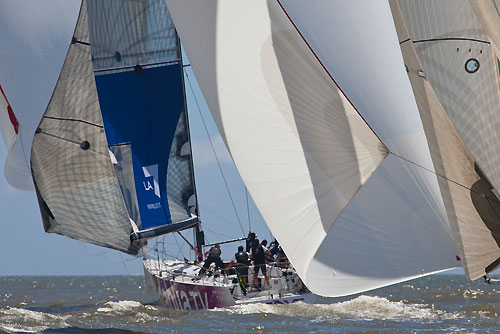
242,263
251,241
213,256
269,257
259,262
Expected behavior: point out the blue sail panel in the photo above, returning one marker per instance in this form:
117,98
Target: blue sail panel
142,109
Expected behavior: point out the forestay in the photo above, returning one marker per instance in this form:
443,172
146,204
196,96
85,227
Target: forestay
34,40
291,99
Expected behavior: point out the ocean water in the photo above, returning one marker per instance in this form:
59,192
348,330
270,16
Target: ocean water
119,304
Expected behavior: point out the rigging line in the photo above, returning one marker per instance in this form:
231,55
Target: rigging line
123,262
180,248
61,138
216,233
442,176
406,40
215,154
190,245
74,120
215,214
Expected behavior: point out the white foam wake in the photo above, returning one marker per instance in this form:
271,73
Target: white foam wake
120,306
124,306
365,307
14,319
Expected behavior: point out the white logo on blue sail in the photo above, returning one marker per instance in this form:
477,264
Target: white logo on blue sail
148,172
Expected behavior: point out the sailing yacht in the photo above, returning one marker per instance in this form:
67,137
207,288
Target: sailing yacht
364,131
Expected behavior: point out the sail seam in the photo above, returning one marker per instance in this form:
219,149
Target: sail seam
450,39
326,70
73,120
75,41
444,177
61,138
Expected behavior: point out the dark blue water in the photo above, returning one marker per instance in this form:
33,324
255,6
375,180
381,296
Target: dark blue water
119,304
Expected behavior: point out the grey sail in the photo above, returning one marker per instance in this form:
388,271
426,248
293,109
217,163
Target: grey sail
106,157
75,182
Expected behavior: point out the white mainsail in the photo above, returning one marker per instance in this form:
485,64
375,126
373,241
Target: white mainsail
289,84
35,37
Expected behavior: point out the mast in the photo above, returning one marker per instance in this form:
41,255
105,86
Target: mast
199,237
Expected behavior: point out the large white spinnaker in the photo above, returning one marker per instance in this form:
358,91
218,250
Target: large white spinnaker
289,83
34,38
457,56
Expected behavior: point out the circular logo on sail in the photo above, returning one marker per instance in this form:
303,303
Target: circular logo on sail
472,65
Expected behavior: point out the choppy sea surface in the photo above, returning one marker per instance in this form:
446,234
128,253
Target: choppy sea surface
120,304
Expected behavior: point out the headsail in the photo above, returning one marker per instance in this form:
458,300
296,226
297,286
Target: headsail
107,151
289,97
458,62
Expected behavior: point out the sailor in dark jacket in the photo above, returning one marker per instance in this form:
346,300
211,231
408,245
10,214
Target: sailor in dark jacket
242,263
251,241
213,256
258,255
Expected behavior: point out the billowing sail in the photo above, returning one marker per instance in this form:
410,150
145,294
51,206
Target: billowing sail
106,157
34,41
316,108
457,60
